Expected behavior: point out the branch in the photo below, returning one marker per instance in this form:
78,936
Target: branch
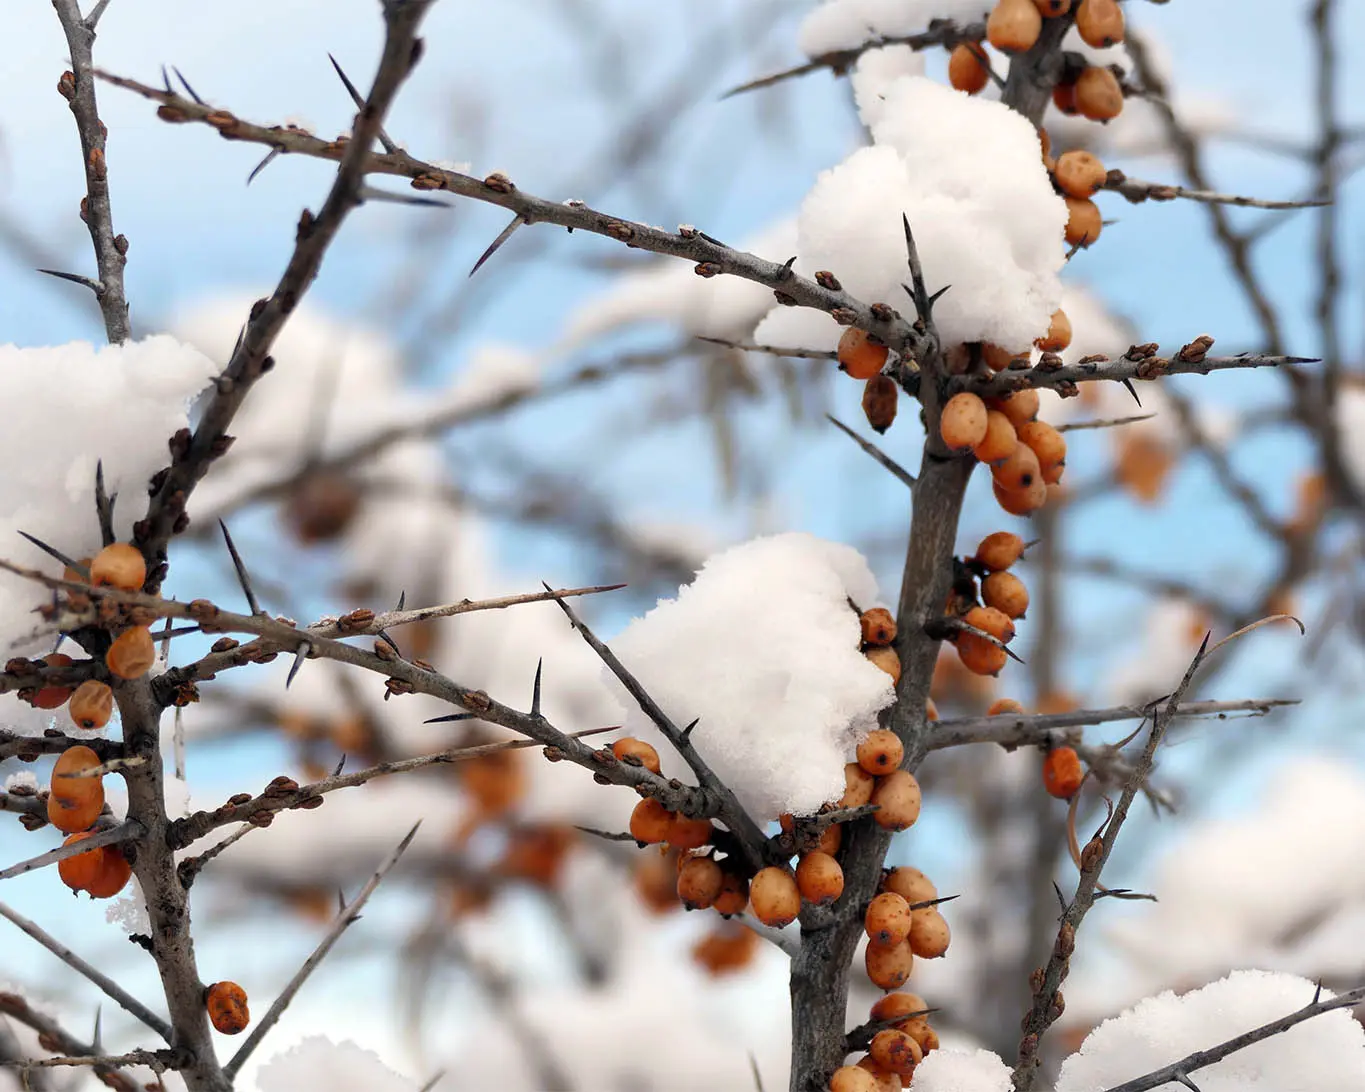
111,988
124,832
897,471
1178,1072
78,88
57,1037
1137,191
348,916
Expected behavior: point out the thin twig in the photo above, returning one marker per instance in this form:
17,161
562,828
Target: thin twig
897,471
124,832
1137,191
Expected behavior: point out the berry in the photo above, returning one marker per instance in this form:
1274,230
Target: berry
881,398
119,566
1050,9
879,628
114,872
859,356
929,934
1062,772
898,1004
819,878
999,550
1018,471
897,797
887,919
850,1078
1004,706
881,752
858,786
734,894
74,803
1083,227
888,966
963,424
980,656
895,1051
637,749
228,1012
1023,502
1014,26
996,358
1100,23
132,653
91,705
53,697
969,68
887,660
1098,95
989,620
774,896
1000,440
1006,593
80,871
1020,407
1064,98
1079,173
1050,447
685,833
699,882
650,822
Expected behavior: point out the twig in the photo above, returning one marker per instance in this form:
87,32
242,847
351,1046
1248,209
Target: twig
1115,371
1112,422
124,832
1137,191
111,988
778,938
773,350
877,453
348,916
17,1008
79,92
1200,1059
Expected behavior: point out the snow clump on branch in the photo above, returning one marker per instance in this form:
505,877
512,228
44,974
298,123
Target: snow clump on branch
847,24
763,647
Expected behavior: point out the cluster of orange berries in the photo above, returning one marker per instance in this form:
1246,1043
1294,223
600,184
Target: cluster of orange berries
1002,598
863,357
1014,27
1025,455
894,1052
74,803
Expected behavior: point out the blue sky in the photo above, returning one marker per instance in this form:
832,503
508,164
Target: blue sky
504,86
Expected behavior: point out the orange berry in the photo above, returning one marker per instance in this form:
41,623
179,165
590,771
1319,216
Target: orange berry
1018,471
119,566
734,894
879,627
91,705
969,68
726,950
1100,23
636,752
132,653
990,620
963,423
1079,173
1006,593
819,878
685,833
1014,25
831,839
887,660
536,853
1022,502
980,656
1062,772
1064,98
999,550
699,882
774,896
895,1051
859,356
655,881
881,752
53,697
929,934
74,815
80,871
923,1034
1020,407
858,786
73,575
1050,447
1098,95
881,399
74,760
898,1004
1000,440
113,873
898,799
228,1012
1004,707
1083,227
996,358
650,822
887,919
888,966
1143,465
850,1078
883,1080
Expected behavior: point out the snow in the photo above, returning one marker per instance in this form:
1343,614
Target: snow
317,1064
846,24
1350,420
949,1070
22,781
763,648
968,173
1324,1054
79,405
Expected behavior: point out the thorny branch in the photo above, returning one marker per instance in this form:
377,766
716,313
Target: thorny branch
55,1037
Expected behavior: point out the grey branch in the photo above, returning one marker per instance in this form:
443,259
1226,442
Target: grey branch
1200,1059
79,93
1137,191
348,916
897,471
17,1008
111,988
113,836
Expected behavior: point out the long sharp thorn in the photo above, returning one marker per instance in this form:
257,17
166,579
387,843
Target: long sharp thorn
373,193
535,690
383,635
341,765
262,165
75,278
451,717
402,598
242,578
95,1038
503,236
166,80
359,100
299,656
1128,386
193,93
53,552
898,471
938,295
104,505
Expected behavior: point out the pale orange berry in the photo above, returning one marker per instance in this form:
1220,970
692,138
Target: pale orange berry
819,878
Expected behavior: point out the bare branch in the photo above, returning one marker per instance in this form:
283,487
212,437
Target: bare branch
124,832
897,471
1137,191
16,1008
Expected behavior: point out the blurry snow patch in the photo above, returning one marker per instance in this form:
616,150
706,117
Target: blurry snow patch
798,327
670,292
317,1064
962,1071
1301,840
763,648
1172,631
22,781
968,175
847,24
74,405
1324,1054
1350,419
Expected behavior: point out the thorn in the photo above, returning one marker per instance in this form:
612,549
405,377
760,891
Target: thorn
1060,897
166,81
104,505
95,1037
938,295
359,100
262,165
383,635
606,835
193,93
339,767
934,902
300,655
503,236
535,690
402,598
96,287
371,193
877,453
451,717
242,577
341,901
53,552
1183,1079
687,732
1128,385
